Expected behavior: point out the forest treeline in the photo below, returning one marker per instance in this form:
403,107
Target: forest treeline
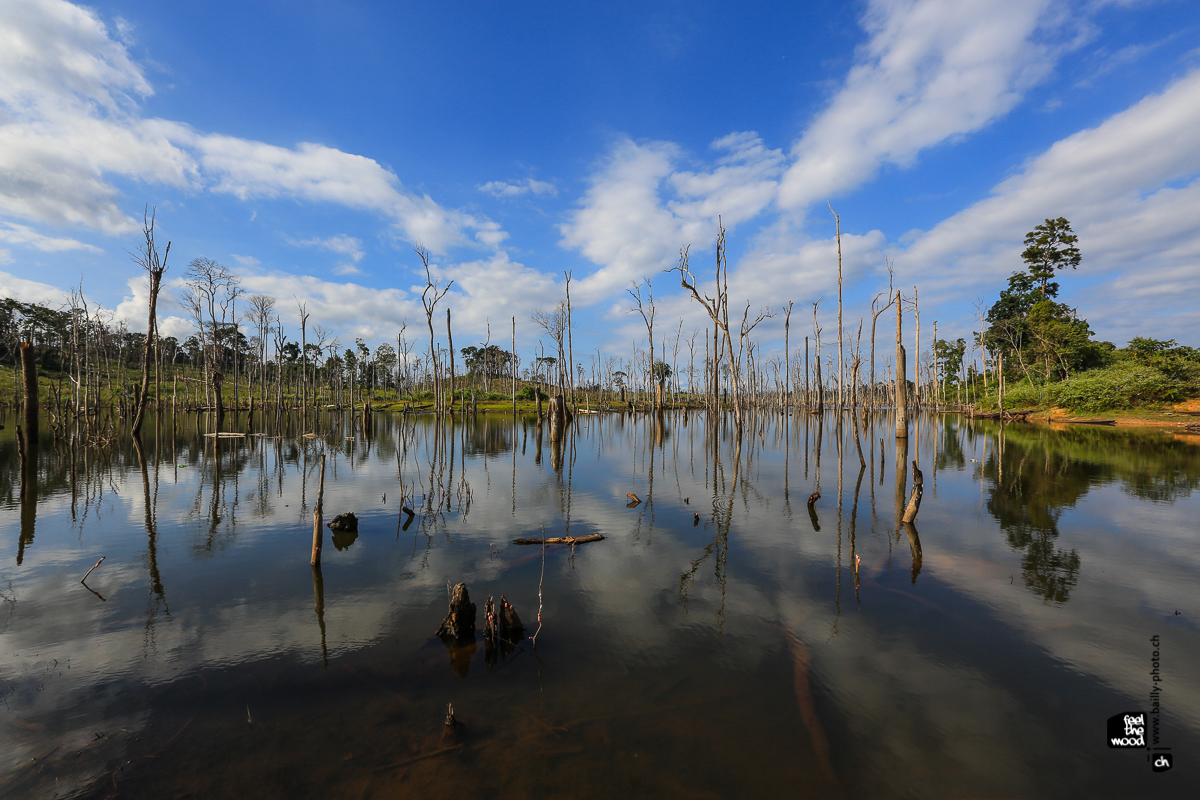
1032,350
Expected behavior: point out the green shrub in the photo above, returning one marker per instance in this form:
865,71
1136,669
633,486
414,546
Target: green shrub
1122,385
530,393
1024,395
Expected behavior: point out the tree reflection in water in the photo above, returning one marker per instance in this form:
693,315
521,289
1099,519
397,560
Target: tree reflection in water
1036,473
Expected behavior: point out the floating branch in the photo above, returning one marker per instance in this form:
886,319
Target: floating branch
571,540
633,498
89,572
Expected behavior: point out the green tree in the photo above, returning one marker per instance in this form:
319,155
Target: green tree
1049,247
949,358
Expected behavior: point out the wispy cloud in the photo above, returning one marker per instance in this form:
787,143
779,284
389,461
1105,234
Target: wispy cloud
931,70
506,189
13,233
348,246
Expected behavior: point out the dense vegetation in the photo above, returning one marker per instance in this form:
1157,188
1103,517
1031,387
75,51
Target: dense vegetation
1049,354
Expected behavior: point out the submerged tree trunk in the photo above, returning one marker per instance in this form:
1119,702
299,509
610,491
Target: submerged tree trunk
901,377
29,376
151,346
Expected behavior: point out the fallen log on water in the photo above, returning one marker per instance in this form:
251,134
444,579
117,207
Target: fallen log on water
572,540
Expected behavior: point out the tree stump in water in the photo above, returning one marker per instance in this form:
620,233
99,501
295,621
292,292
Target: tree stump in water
460,621
343,522
502,629
558,418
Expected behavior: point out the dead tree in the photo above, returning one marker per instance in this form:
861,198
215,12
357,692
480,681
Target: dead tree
430,295
874,319
841,347
147,257
648,312
213,288
901,376
717,309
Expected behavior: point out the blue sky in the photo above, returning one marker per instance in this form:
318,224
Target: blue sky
308,146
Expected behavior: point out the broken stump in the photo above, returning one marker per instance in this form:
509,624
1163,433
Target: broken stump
343,522
460,621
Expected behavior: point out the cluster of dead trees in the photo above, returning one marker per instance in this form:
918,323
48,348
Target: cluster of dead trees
241,357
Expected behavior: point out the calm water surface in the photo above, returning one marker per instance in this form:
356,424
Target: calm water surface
758,649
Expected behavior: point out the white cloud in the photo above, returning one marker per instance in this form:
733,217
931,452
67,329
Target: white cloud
348,246
69,119
246,261
505,189
13,233
1118,183
28,291
931,70
640,209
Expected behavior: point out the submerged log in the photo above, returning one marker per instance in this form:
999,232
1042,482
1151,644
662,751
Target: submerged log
452,730
460,620
572,540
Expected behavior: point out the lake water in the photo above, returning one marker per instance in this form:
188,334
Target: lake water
722,641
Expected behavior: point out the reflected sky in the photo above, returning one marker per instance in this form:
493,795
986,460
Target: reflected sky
763,645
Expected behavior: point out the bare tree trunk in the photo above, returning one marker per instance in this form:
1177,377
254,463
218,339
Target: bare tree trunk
787,359
901,376
841,366
149,260
450,340
30,400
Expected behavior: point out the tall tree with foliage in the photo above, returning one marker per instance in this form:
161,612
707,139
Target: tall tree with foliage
1049,247
1027,324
